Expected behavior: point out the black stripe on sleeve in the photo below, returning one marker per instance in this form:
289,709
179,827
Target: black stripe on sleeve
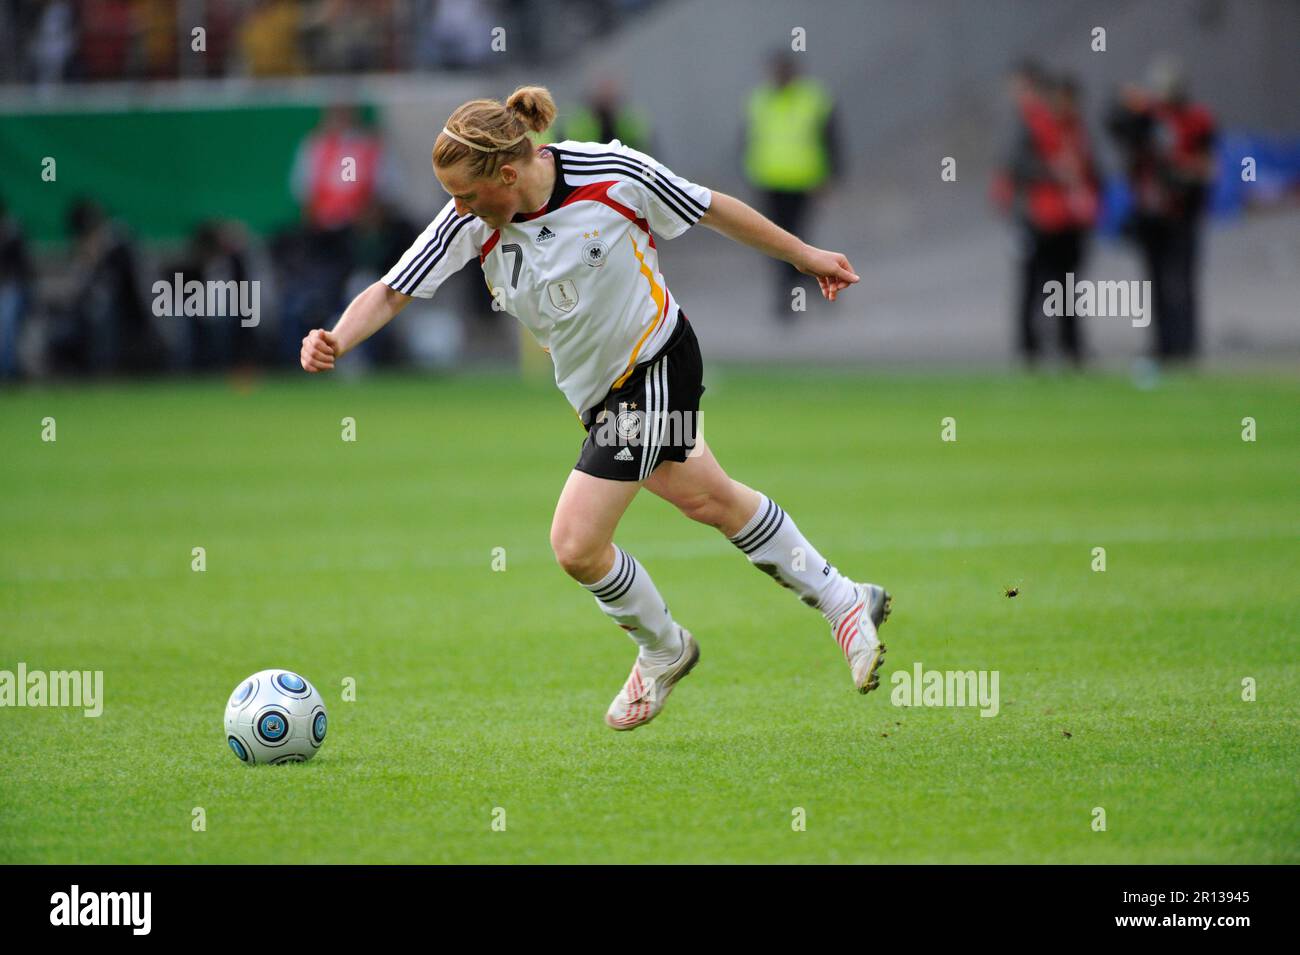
420,265
635,166
669,193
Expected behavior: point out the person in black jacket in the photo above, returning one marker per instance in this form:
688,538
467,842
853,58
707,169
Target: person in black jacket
15,292
1167,142
112,322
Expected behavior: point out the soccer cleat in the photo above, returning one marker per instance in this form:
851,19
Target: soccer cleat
646,689
856,633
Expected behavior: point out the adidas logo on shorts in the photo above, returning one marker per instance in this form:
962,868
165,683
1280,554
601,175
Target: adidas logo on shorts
624,455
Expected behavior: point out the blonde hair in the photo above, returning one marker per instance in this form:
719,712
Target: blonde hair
497,131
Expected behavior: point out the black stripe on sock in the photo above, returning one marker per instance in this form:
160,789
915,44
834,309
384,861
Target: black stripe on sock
622,581
741,540
759,534
630,581
758,544
627,585
620,572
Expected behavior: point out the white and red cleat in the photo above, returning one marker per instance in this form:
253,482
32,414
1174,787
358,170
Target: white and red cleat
856,633
646,689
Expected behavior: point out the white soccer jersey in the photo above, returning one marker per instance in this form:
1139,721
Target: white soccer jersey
582,273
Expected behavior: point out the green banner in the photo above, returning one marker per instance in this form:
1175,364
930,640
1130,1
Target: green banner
159,171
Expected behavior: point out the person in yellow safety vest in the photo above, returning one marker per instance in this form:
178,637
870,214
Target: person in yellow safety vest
791,151
604,117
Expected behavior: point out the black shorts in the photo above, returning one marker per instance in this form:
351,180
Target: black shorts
652,417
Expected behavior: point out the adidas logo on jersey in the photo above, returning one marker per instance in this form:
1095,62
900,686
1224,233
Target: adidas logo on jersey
624,455
545,234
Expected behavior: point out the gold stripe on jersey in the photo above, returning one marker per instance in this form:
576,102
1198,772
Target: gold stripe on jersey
657,294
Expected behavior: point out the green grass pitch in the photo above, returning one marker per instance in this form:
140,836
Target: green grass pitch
478,689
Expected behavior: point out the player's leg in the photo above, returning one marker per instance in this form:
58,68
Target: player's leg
586,516
702,490
582,537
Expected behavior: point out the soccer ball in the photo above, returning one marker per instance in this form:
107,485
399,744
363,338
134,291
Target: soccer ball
275,716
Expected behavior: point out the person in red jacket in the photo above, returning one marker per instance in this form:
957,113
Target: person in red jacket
1050,185
341,168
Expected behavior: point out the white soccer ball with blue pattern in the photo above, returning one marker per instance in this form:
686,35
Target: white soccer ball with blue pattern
275,716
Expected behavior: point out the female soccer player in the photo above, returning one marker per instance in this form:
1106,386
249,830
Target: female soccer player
565,235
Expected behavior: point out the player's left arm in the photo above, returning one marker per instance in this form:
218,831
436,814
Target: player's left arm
738,221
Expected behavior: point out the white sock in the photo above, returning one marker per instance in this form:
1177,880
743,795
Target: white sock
775,546
628,595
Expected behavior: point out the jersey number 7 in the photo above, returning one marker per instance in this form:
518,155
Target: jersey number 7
518,251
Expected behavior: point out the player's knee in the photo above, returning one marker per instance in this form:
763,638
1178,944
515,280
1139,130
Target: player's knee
577,557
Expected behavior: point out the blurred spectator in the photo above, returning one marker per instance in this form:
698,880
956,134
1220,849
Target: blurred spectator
12,53
339,167
53,41
109,326
605,116
1168,143
527,20
15,292
347,36
269,41
309,286
155,22
1050,184
216,253
106,34
381,236
341,170
791,152
222,38
458,35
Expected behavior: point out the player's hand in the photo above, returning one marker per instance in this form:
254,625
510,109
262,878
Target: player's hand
319,350
832,270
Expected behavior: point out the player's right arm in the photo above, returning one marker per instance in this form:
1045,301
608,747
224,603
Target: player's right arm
446,245
370,311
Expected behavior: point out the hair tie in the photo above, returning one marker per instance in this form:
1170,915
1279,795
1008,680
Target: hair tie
484,149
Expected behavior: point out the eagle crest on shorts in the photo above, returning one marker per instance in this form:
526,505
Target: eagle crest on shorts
628,423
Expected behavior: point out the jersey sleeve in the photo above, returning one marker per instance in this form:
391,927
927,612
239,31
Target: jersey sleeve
669,203
442,249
